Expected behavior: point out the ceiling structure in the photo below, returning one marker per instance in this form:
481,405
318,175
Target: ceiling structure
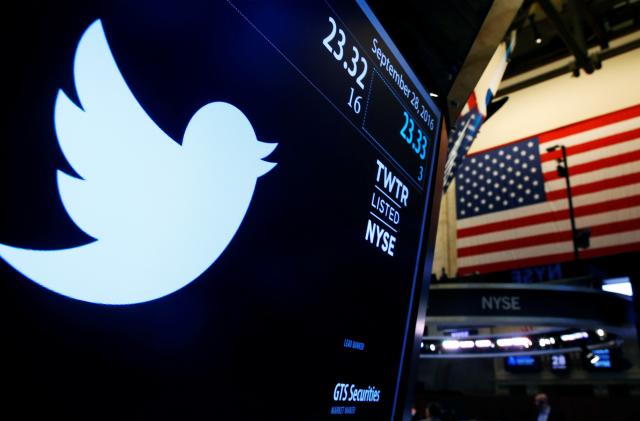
437,38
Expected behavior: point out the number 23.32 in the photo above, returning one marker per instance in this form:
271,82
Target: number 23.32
356,65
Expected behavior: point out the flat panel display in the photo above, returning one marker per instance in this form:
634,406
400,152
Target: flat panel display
522,364
211,210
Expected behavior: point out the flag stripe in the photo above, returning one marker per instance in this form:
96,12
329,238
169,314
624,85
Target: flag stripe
596,186
543,260
555,226
592,145
559,236
599,126
596,165
594,134
586,199
540,218
548,249
590,124
577,160
586,178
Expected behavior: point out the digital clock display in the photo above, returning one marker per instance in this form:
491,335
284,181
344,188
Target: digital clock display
240,279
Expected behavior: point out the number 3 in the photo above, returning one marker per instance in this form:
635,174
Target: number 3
354,61
423,147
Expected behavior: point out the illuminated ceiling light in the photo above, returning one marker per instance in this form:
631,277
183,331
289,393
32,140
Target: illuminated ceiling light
595,359
432,347
618,285
433,94
601,332
534,28
484,343
466,344
574,336
450,345
519,341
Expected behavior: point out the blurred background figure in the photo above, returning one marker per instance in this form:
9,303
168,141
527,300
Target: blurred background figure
543,408
434,412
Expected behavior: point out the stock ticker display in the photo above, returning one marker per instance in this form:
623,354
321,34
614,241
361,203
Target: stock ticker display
211,209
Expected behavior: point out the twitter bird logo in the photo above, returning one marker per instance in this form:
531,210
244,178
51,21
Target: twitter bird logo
161,213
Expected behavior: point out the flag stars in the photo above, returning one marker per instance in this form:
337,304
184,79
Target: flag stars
500,179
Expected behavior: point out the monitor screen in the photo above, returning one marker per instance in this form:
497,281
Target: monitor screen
559,363
600,358
211,208
522,363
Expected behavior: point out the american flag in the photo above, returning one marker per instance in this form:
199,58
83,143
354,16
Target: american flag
512,205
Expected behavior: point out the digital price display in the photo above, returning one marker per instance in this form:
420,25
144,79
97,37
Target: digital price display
522,364
212,210
559,363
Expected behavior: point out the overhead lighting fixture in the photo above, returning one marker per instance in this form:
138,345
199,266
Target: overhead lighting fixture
519,341
534,28
433,94
546,341
574,336
618,285
600,332
450,345
466,344
432,347
484,343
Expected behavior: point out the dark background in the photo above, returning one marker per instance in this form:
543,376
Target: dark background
260,333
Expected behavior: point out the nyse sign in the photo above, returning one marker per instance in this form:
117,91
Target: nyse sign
501,302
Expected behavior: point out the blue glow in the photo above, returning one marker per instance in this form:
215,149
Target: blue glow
161,212
601,358
618,285
521,360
